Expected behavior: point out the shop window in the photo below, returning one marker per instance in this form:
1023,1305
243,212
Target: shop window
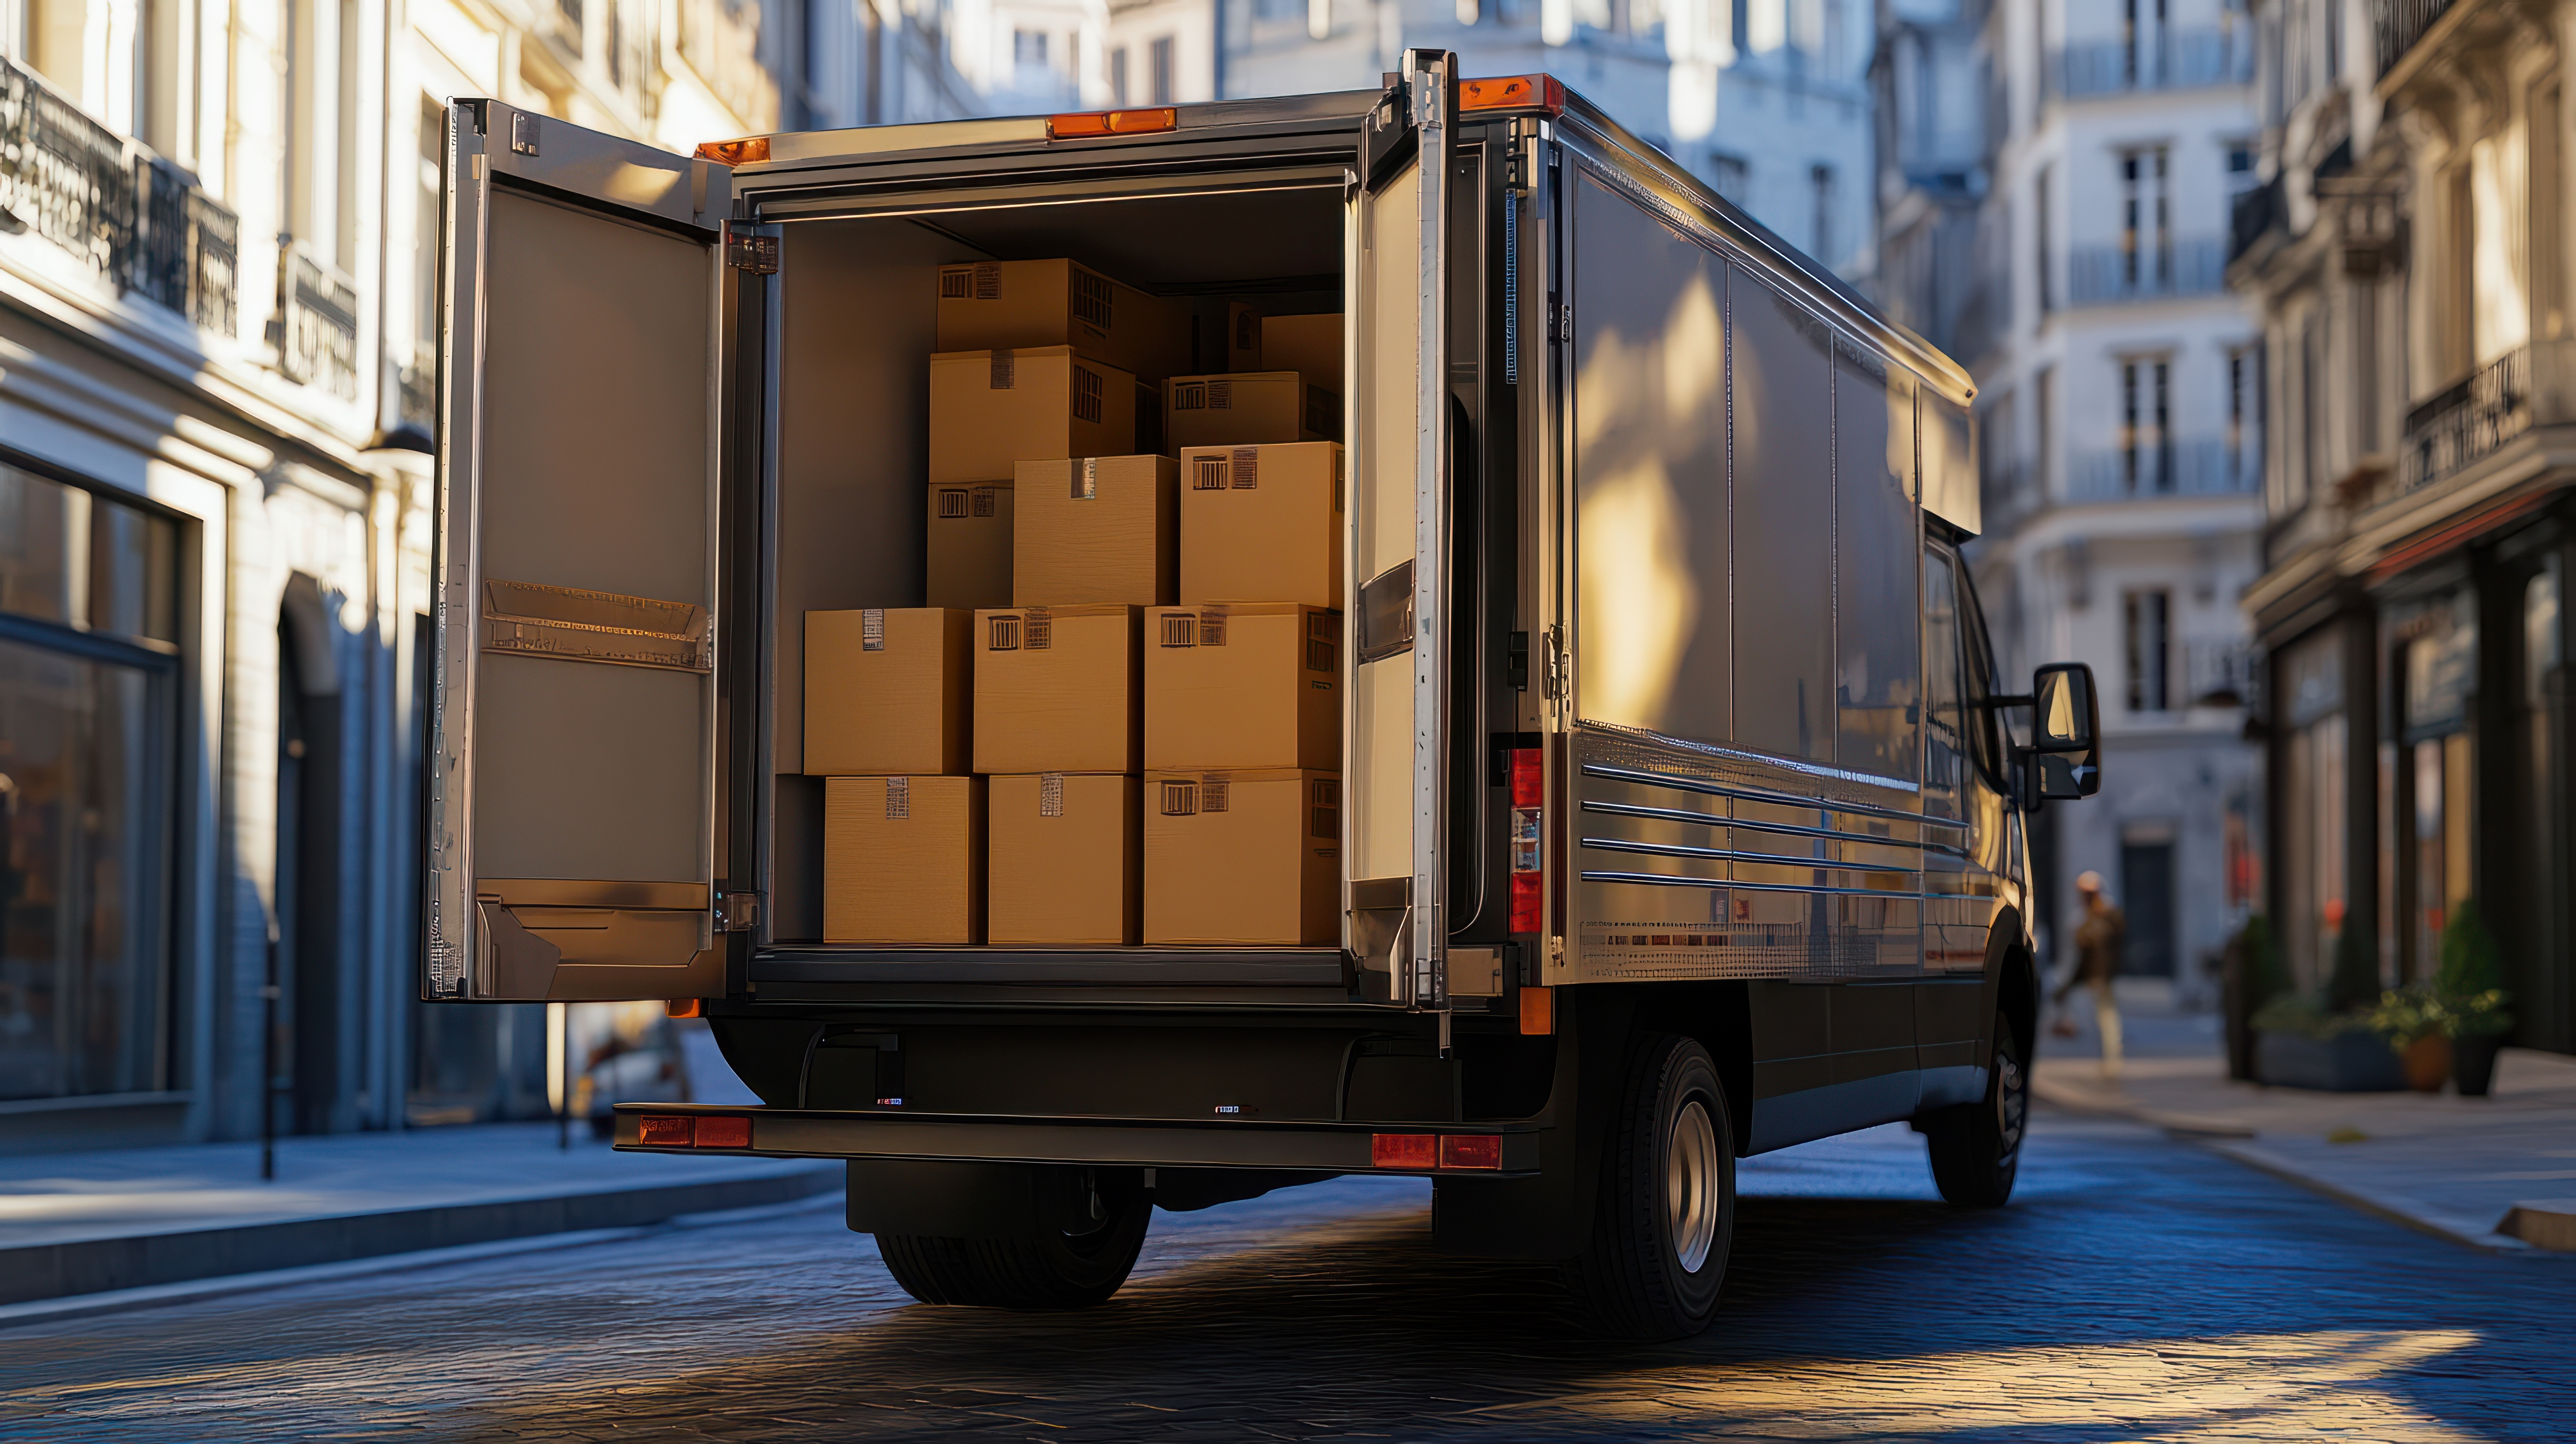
88,590
2313,759
2148,625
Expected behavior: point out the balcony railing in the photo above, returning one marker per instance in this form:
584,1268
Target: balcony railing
134,219
2397,24
2218,671
2174,60
2468,419
2112,275
2203,467
316,330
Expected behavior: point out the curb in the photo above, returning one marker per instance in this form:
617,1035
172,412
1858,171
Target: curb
140,1261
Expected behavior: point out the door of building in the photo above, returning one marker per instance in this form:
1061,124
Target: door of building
2147,896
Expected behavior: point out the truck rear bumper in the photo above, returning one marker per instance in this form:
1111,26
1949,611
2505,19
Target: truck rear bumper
1421,1149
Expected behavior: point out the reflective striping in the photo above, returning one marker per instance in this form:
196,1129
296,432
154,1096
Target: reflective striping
1684,814
1762,795
1676,849
1657,879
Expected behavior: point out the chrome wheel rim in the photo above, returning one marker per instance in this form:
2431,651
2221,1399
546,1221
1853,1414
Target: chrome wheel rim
1691,1203
2012,1103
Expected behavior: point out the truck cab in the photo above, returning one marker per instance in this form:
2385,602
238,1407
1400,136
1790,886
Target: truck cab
1678,813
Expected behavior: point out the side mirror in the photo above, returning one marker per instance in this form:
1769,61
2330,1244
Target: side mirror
2065,726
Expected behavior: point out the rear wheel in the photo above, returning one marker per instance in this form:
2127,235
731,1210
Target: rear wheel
1976,1147
1073,1266
1665,1217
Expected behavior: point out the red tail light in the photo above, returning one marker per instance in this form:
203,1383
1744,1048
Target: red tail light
655,1130
1404,1150
1471,1150
1529,779
1529,912
1513,92
1112,122
724,1133
1529,794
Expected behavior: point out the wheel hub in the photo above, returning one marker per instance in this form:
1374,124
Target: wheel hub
1691,1202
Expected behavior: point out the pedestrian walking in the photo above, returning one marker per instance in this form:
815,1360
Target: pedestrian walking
2099,941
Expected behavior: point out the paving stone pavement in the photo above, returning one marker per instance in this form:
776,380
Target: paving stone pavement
2138,1288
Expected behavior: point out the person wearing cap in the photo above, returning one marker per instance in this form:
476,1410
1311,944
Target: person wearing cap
2099,940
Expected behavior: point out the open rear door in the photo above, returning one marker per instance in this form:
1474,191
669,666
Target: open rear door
1398,741
573,709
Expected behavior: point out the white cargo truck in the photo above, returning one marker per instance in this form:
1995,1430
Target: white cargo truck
1680,815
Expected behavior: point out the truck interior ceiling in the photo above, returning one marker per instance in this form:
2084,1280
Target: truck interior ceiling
857,329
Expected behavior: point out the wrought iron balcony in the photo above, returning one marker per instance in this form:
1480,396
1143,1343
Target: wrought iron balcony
316,330
2201,467
135,220
2173,60
2217,671
2112,275
2477,415
2397,24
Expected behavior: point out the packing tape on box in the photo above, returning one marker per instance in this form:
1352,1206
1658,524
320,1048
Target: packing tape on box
1086,480
872,629
1050,794
898,799
1005,369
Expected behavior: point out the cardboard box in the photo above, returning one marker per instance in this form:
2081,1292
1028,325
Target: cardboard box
1262,524
1248,409
991,410
1251,685
1058,689
886,691
1243,859
1096,531
1311,346
1014,304
1067,860
1242,337
970,545
903,859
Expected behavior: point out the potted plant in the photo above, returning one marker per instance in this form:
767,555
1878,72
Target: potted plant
2417,1026
2251,976
2470,986
2303,1042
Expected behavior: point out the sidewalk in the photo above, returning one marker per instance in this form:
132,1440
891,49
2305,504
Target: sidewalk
2494,1173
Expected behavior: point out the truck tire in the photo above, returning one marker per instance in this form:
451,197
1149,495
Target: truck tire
1976,1147
1665,1217
1058,1269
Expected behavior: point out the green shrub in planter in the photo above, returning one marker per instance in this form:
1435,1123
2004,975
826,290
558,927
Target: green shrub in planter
2470,982
2310,1018
2403,1015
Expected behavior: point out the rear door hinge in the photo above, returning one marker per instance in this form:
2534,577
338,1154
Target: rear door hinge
737,912
747,250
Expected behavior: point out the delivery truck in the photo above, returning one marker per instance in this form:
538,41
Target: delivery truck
1133,659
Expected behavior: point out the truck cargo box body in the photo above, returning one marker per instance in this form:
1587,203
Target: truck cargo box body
1658,671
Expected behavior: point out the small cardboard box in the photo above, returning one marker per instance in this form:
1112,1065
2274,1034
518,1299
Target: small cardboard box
1251,685
1068,860
903,859
970,545
1243,859
1096,531
1246,409
984,304
991,410
1242,337
886,691
1311,346
1058,689
1262,524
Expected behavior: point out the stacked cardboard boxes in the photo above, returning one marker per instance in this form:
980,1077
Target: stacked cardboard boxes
888,727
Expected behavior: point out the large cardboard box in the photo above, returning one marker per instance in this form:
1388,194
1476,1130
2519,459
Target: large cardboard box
1058,689
1247,685
1243,859
984,304
970,545
991,410
1311,346
1105,529
887,691
1068,860
903,859
1262,524
1246,409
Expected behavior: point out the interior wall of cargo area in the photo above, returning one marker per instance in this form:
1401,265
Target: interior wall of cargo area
1035,462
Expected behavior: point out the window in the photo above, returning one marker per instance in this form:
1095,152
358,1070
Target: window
2244,398
2240,167
2146,445
2146,630
2043,396
1945,733
1821,178
1875,696
2146,219
1118,76
2312,365
87,684
1029,49
1728,175
2039,241
1162,68
2142,42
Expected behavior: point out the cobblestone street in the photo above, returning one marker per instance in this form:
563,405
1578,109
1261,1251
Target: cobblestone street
2137,1289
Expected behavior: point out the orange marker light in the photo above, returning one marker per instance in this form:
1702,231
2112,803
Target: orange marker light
1404,1150
724,1133
1080,124
662,1131
1471,1150
751,150
1513,92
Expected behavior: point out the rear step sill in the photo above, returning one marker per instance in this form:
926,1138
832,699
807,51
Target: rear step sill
1127,967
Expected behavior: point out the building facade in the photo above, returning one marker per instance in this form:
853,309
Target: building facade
2409,250
2055,179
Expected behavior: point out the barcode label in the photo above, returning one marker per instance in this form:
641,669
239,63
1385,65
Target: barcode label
1086,480
898,798
1211,629
872,629
1215,796
1002,635
1180,799
1180,629
952,502
1220,396
1247,468
1209,474
1050,794
986,503
1189,396
1005,370
1041,631
956,283
988,281
1086,395
1091,298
